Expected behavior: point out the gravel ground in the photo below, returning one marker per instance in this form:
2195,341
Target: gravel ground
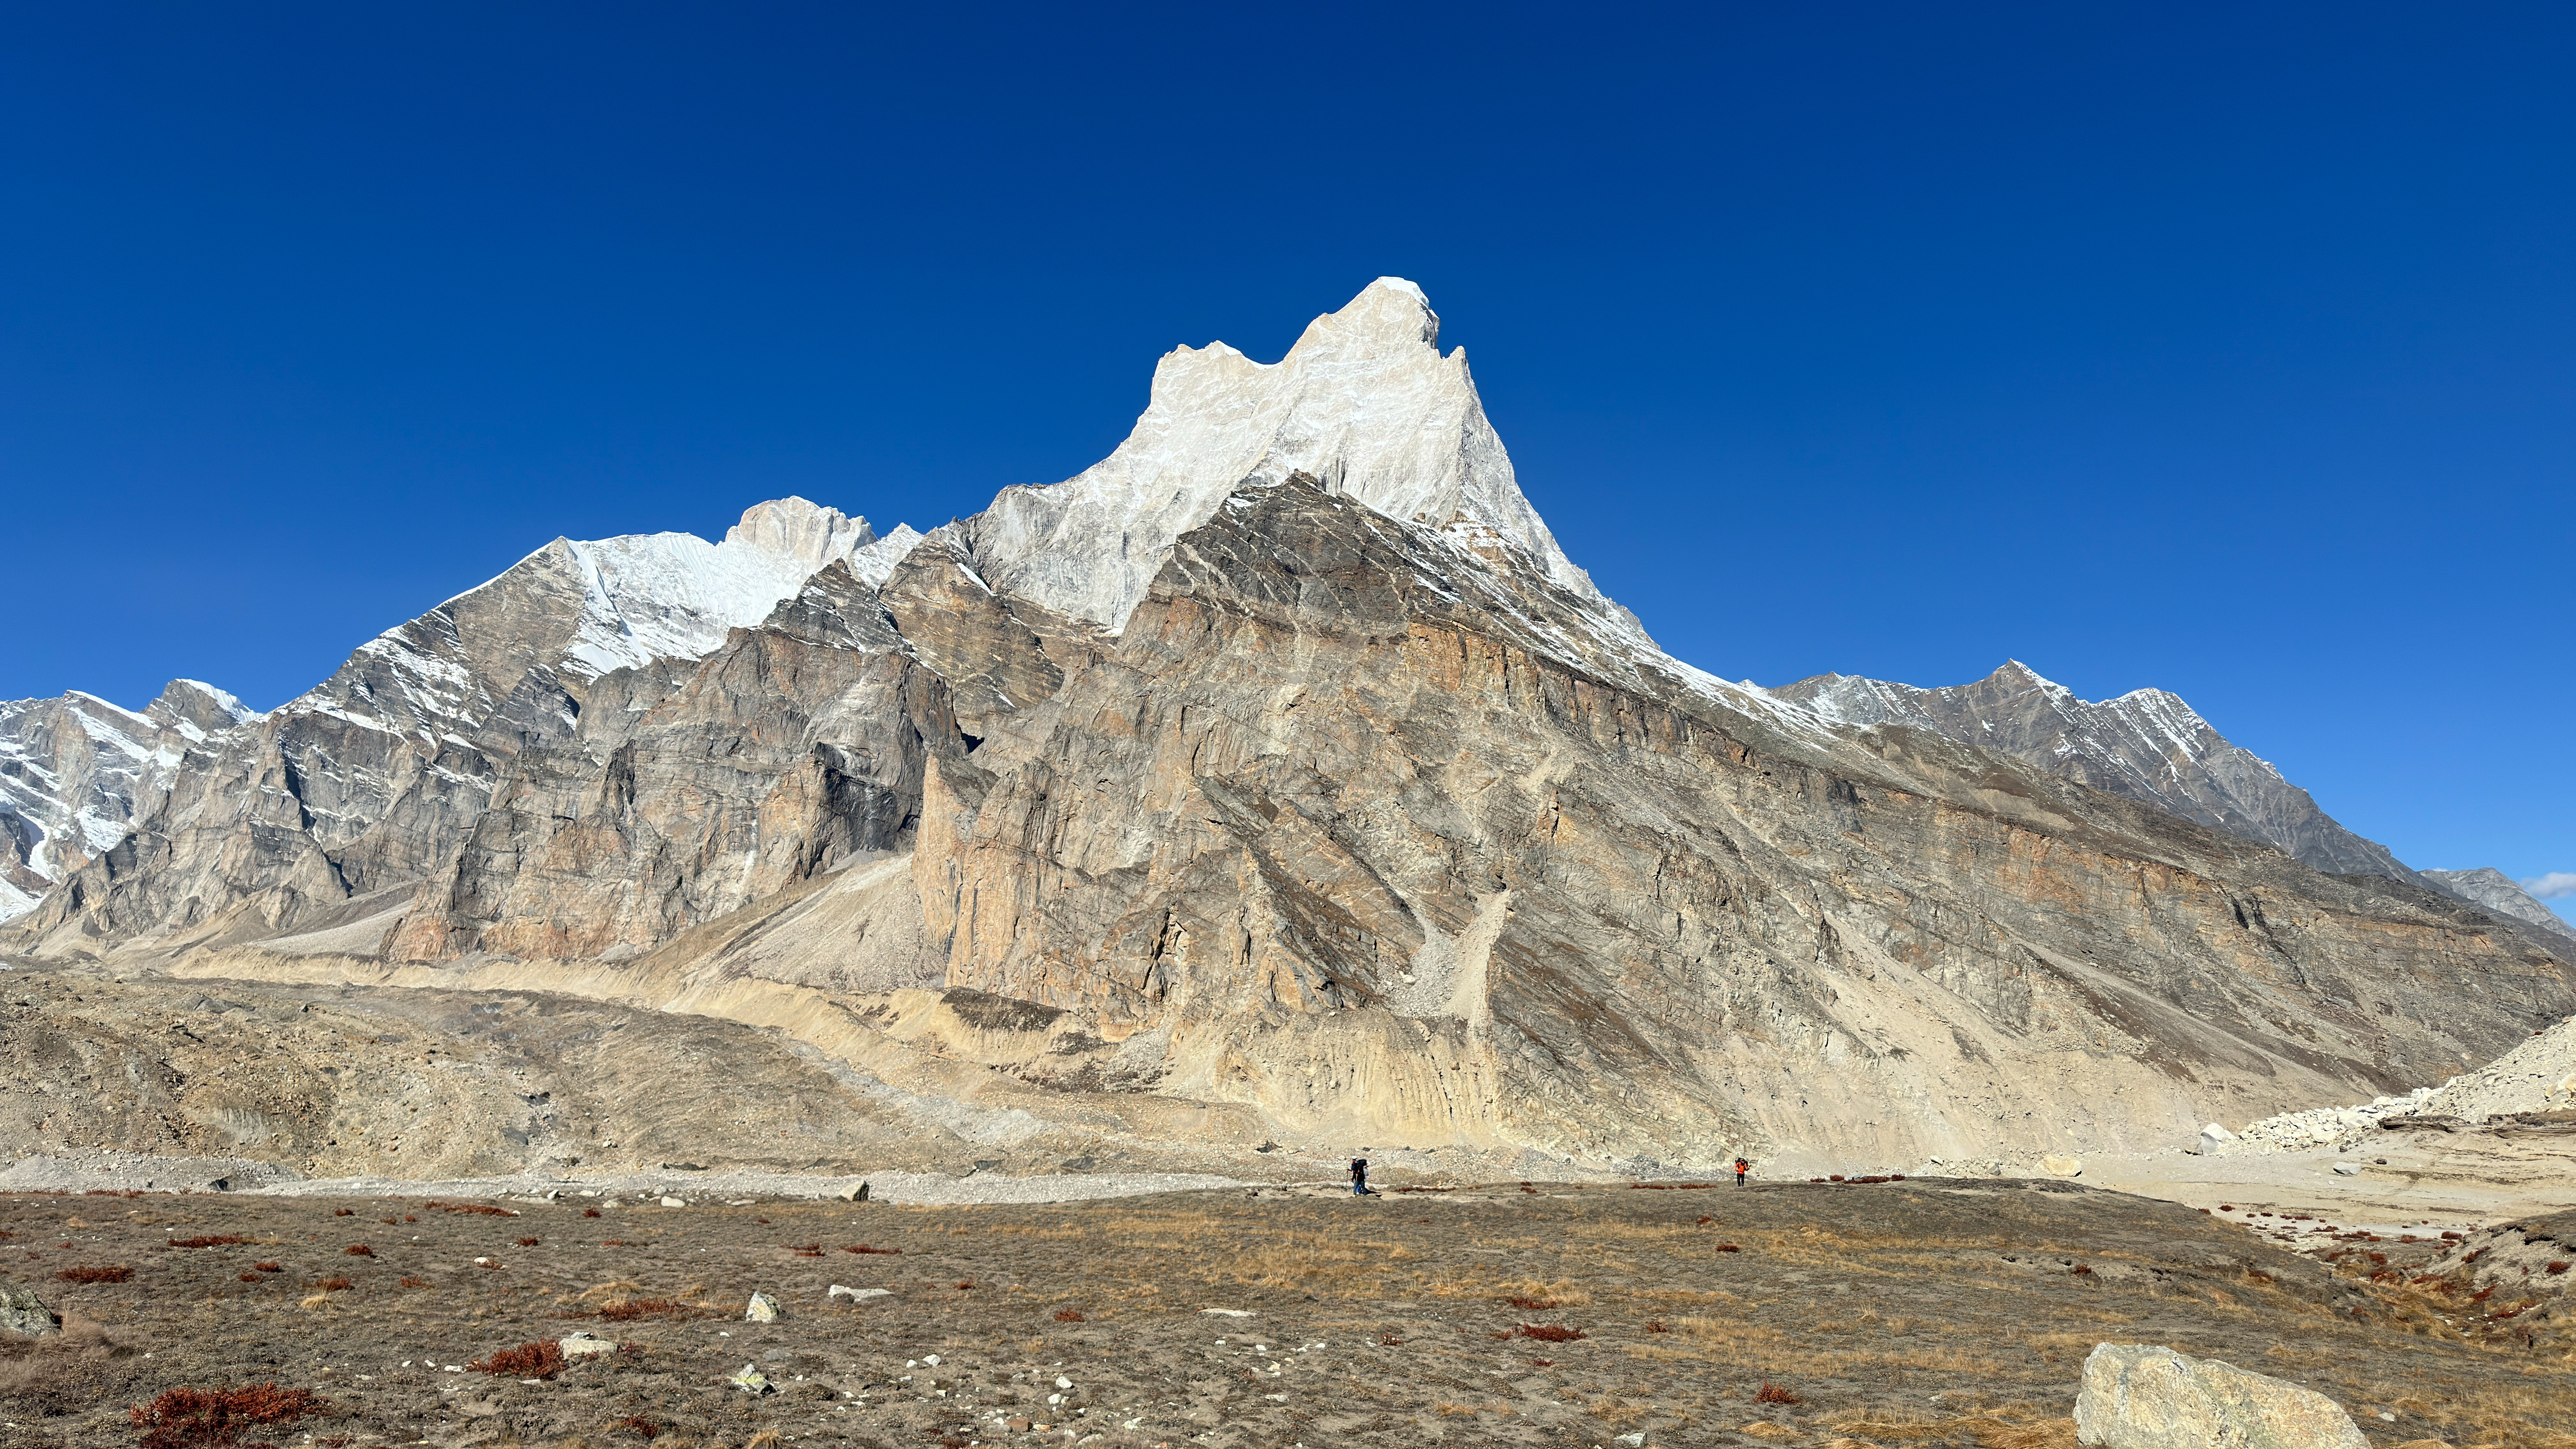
1922,1313
127,1171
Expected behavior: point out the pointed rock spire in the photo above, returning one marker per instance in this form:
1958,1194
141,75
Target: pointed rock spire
1365,402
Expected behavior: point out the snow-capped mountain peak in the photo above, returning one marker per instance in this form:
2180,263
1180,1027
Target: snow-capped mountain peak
1364,401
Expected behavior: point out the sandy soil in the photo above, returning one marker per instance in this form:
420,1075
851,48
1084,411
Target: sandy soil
2459,1180
1917,1313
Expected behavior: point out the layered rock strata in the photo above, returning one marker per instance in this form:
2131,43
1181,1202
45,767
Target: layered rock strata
1283,781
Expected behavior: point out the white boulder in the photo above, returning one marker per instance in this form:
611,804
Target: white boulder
2146,1396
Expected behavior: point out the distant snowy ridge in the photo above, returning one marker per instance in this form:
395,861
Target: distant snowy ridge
2500,893
2147,745
77,770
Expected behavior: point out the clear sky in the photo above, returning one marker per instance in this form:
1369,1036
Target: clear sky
2221,348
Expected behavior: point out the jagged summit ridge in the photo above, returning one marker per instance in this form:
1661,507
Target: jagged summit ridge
2148,745
1364,402
2493,889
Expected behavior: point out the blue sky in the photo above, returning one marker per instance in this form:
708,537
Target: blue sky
2218,348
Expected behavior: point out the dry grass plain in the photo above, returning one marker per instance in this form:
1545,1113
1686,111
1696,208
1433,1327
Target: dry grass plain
1924,1313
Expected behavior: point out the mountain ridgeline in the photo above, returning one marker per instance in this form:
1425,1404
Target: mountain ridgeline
1280,780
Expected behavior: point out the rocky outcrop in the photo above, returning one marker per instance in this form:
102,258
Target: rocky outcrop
25,1314
2140,1396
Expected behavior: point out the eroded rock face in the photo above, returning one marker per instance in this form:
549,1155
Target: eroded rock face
369,780
690,793
1363,831
2139,1396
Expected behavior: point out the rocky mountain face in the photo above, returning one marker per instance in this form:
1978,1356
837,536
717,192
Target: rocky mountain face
2147,745
2496,891
77,772
1278,780
367,781
2152,747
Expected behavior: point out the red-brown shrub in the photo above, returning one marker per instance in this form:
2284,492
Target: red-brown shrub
269,1267
250,1277
226,1241
1550,1332
194,1418
335,1285
1726,1248
409,1281
475,1208
864,1248
89,1274
527,1242
537,1359
1068,1315
359,1250
592,1213
2556,1268
1771,1393
344,1212
639,1424
1534,1305
1657,1325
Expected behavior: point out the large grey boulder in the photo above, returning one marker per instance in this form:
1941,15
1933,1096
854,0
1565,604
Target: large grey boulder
2146,1396
22,1312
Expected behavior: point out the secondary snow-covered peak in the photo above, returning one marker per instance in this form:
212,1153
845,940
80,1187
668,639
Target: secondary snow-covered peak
874,564
1365,402
795,529
196,709
2147,744
2493,889
76,771
2013,674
